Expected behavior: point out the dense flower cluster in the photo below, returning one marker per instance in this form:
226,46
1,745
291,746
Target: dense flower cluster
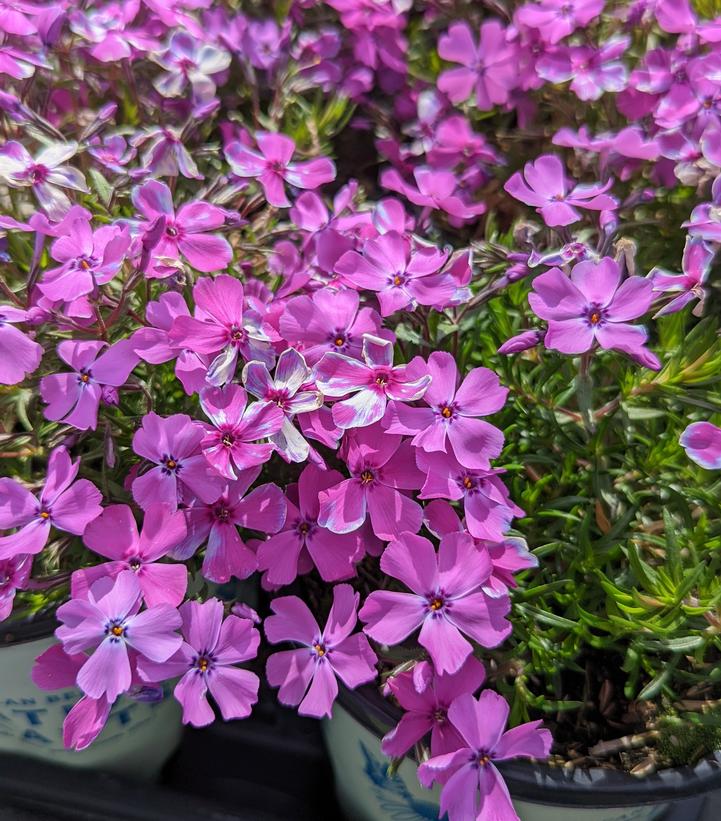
236,341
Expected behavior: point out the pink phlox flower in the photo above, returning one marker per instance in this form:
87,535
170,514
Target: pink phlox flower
450,415
489,510
290,391
206,663
223,328
307,676
188,61
591,71
447,601
381,466
689,285
547,188
20,64
472,786
109,30
163,153
112,152
272,166
187,231
19,355
593,307
328,320
226,555
109,622
435,189
46,174
702,443
372,382
74,397
556,19
179,470
426,711
487,67
228,444
87,259
304,543
14,576
400,274
114,535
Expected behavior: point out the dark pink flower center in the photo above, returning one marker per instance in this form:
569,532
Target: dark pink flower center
84,376
171,231
44,514
446,410
319,649
37,173
279,397
439,715
436,603
85,263
382,378
238,335
339,339
595,315
367,477
116,630
304,528
482,759
202,662
227,440
135,564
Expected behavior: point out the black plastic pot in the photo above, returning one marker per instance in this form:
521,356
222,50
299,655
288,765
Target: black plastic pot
685,788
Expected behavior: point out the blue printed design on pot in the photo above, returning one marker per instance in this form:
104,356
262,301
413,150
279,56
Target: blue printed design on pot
393,796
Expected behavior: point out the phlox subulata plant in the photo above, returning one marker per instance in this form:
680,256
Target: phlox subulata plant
400,313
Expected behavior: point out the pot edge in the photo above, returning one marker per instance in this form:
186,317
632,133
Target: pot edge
28,629
538,783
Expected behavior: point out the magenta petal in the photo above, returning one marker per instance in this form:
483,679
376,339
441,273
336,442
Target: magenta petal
480,393
206,252
525,741
292,621
17,504
318,701
191,691
391,617
84,722
278,556
354,661
410,729
343,507
475,442
361,410
151,632
392,513
291,670
235,691
30,539
107,671
163,583
444,643
412,560
702,442
238,641
569,336
76,507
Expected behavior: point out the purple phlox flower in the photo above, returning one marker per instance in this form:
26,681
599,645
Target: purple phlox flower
114,535
488,68
570,252
328,320
19,355
13,19
307,676
381,466
507,557
454,142
593,306
426,711
88,258
547,188
46,174
472,786
697,259
57,670
226,555
19,63
400,274
188,61
109,621
110,32
447,601
389,215
591,71
112,152
235,426
556,19
152,343
303,543
264,43
179,471
488,507
273,168
291,392
164,154
14,575
64,504
186,233
372,382
522,342
206,662
702,442
74,397
435,189
451,411
675,16
222,328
